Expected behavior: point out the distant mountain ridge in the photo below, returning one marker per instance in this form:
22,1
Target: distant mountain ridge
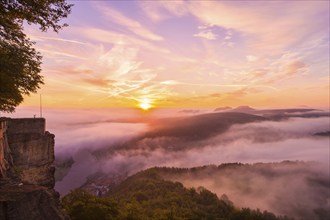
289,112
223,108
190,128
245,108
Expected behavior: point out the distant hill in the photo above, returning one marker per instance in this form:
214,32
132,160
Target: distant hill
190,111
287,111
280,114
324,134
245,109
223,108
188,129
146,195
276,187
200,126
179,133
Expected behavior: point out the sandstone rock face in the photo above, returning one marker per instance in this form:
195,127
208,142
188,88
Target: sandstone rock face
4,148
29,202
32,151
27,172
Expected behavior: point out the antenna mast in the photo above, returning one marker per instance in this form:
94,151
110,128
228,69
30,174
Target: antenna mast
40,107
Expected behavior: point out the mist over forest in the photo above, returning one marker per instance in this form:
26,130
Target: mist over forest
107,146
295,189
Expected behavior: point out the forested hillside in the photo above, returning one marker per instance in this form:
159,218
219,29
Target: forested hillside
147,195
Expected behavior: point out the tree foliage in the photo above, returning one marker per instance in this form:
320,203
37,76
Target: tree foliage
19,61
83,206
146,196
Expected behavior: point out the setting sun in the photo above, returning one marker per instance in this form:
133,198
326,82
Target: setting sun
145,105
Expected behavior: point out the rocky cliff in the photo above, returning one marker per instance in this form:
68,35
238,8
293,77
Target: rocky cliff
26,171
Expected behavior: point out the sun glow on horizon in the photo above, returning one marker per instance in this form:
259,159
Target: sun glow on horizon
145,104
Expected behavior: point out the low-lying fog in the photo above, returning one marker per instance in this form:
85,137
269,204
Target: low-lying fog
126,141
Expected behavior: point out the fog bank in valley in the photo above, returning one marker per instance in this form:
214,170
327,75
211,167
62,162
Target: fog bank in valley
114,147
113,142
295,189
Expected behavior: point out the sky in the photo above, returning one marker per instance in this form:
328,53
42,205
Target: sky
186,54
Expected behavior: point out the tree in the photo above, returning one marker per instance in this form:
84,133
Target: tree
81,205
19,61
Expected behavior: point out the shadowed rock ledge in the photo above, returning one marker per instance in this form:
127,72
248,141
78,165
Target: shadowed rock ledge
27,172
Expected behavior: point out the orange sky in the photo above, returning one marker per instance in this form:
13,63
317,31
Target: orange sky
187,54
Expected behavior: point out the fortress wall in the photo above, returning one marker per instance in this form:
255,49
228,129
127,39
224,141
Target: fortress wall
26,125
32,151
29,153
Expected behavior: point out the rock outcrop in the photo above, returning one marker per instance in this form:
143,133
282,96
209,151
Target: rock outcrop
27,172
4,149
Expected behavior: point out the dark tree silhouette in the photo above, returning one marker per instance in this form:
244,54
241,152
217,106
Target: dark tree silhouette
19,61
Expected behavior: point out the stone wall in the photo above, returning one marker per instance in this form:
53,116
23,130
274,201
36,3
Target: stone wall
27,179
32,151
26,125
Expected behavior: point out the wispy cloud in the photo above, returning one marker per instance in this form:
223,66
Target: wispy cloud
181,50
43,38
107,36
120,61
259,26
251,58
209,35
160,10
137,28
